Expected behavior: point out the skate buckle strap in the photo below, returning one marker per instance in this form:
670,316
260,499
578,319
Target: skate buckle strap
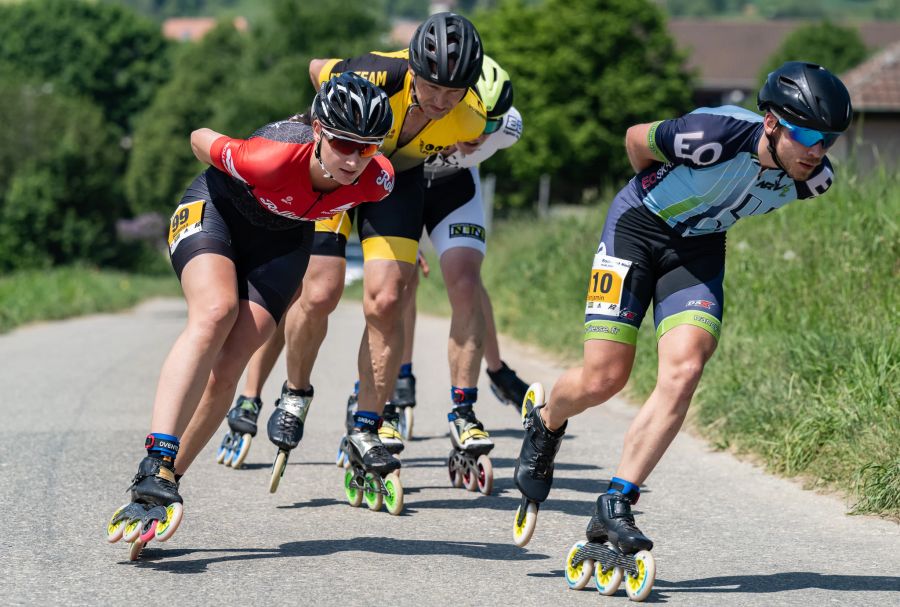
627,489
463,396
298,406
163,444
619,507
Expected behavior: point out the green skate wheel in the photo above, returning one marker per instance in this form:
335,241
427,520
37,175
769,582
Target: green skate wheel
524,525
578,576
638,587
607,580
353,493
393,501
373,497
278,470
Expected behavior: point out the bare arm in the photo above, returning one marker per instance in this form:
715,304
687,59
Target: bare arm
201,142
638,148
315,68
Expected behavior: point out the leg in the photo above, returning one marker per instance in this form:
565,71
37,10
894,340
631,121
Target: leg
263,361
491,345
461,267
254,325
409,319
683,352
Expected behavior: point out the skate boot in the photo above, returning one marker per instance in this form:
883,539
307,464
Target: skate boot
405,400
534,468
242,423
155,510
372,474
507,386
285,427
627,555
389,432
343,459
468,463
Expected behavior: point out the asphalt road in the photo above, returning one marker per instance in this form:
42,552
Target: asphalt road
75,408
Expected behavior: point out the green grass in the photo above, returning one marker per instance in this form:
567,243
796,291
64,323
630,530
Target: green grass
806,379
71,291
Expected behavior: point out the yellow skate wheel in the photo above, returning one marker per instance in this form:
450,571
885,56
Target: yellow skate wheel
354,494
485,474
134,550
132,530
638,587
393,501
243,449
373,498
165,530
524,529
114,530
533,398
277,470
607,580
578,576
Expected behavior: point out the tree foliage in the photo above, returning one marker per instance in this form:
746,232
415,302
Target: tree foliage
104,52
582,73
832,46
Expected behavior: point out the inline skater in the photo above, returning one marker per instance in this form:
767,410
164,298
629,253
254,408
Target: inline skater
664,238
239,242
430,88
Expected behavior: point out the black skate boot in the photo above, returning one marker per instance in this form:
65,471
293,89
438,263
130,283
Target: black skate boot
285,427
404,399
242,423
343,460
629,555
534,468
373,473
468,463
507,386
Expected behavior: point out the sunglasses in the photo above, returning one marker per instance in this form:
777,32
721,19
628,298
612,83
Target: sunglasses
348,147
809,137
492,126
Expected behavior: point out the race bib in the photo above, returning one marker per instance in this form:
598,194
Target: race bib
605,286
184,222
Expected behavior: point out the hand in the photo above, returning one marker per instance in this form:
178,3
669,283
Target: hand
423,264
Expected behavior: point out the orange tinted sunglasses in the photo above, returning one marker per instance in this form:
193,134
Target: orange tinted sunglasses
348,146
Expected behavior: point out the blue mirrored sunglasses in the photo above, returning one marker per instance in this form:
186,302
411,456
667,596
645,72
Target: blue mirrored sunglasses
809,137
492,125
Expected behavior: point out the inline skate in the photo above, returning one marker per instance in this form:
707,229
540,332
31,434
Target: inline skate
615,548
156,509
285,428
404,400
507,386
468,463
372,472
242,423
534,468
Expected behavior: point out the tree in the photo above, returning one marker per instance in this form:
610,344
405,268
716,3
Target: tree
832,46
582,73
101,51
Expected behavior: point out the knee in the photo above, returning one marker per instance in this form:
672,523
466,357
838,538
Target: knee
319,301
681,379
602,385
383,305
213,320
464,288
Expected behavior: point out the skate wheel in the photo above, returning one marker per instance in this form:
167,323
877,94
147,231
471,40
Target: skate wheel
470,476
607,580
114,530
456,476
533,398
524,529
578,576
373,498
406,424
148,531
134,550
165,530
339,460
485,474
638,587
353,493
241,451
278,470
224,448
132,530
393,501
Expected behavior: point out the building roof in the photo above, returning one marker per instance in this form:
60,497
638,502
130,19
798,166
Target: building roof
194,28
730,54
874,85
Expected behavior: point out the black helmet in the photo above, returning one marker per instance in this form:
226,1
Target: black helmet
351,104
446,50
807,95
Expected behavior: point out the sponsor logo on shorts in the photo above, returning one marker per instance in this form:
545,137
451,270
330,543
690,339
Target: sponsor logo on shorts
627,315
602,329
706,321
702,303
467,230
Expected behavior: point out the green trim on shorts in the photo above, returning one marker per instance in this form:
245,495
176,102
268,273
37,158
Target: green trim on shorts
705,321
610,330
651,142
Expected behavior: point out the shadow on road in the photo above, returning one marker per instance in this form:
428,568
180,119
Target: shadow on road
161,560
781,582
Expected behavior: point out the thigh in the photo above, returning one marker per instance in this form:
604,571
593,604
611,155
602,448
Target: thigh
330,239
454,214
390,229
